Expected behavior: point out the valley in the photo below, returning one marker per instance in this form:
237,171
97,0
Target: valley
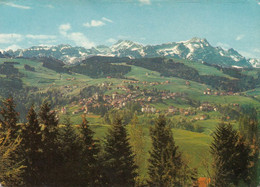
194,96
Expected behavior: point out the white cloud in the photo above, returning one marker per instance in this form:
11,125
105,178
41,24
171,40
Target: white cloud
10,38
94,23
14,38
240,37
223,45
49,6
145,2
111,40
97,23
13,47
64,28
256,50
16,6
40,37
106,19
258,3
77,37
80,39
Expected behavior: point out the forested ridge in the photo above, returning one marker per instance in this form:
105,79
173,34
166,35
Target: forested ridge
176,69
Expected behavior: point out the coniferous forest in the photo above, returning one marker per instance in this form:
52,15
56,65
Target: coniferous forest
44,151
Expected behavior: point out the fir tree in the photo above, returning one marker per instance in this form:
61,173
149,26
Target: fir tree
230,156
9,156
165,161
10,170
248,127
90,167
9,118
50,158
70,156
30,149
137,142
242,161
120,168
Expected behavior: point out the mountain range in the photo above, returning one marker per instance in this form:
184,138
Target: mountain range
195,49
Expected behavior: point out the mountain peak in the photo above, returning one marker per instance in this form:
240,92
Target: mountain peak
198,40
231,50
125,44
123,41
64,46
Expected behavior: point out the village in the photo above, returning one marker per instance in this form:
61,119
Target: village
209,91
117,96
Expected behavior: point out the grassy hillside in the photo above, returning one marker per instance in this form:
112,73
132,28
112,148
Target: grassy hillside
203,69
176,84
194,145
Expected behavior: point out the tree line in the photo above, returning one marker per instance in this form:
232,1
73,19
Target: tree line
41,152
170,68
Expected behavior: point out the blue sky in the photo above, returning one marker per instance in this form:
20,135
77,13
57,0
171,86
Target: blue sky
226,23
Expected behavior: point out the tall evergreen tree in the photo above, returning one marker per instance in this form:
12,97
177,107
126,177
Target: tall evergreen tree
231,156
9,118
30,149
248,127
70,156
165,161
120,168
90,166
10,166
248,124
50,157
137,141
10,170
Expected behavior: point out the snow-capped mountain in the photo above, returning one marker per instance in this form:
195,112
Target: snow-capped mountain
128,48
62,52
196,49
255,62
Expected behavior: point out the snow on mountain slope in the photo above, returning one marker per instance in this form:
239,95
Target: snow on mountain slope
196,49
126,48
254,62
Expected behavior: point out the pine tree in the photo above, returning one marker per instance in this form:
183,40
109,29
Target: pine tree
70,156
10,166
224,138
120,168
248,127
30,149
10,170
9,118
50,157
231,156
90,167
137,142
242,161
165,161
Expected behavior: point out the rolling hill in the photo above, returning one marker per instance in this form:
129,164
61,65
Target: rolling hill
161,83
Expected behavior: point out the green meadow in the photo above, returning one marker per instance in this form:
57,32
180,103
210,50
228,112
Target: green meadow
194,145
